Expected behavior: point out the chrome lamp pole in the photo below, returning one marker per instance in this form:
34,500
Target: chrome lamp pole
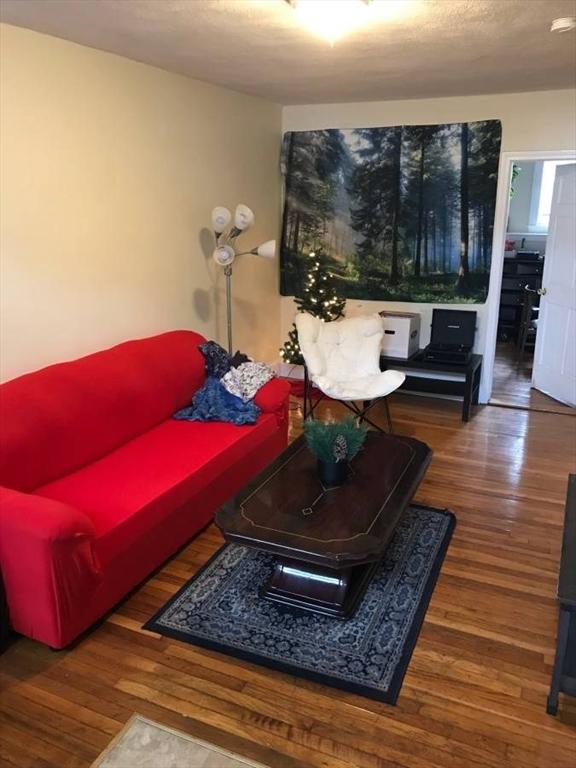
228,274
224,254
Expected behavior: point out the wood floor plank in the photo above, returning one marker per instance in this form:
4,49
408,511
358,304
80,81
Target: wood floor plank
474,695
512,382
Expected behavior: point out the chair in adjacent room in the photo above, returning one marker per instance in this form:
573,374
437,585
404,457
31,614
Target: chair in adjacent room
528,323
342,359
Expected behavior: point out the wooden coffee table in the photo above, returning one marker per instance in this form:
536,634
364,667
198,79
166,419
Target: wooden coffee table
328,542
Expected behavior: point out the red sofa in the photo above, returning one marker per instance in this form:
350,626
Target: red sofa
100,485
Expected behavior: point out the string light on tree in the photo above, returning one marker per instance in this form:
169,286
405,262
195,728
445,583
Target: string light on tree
322,302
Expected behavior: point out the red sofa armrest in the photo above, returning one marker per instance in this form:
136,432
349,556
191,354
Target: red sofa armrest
48,564
273,398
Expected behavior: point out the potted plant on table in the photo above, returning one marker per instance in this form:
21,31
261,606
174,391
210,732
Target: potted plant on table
334,444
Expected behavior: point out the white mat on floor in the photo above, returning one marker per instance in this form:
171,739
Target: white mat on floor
142,743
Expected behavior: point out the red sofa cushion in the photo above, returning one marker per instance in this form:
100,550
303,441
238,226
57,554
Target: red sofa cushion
132,489
60,418
273,398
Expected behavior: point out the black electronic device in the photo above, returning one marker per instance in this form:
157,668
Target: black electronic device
451,356
452,336
453,328
531,255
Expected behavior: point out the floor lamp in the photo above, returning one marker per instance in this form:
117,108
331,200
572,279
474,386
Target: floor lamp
225,251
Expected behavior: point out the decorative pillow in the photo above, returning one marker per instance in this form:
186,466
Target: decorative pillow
247,379
217,360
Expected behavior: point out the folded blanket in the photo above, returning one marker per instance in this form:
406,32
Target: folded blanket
214,403
245,380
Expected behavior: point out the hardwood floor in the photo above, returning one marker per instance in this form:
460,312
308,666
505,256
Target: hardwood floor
512,384
474,695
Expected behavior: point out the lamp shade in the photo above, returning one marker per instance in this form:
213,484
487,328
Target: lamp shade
243,217
267,250
224,255
221,217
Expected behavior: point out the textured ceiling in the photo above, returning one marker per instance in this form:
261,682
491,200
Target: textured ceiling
439,48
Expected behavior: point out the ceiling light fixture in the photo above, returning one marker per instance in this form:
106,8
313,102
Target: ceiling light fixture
563,24
332,19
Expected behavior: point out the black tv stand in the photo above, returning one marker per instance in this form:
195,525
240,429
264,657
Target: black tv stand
456,379
564,673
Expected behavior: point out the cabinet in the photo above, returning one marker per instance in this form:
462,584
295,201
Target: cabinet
518,273
564,672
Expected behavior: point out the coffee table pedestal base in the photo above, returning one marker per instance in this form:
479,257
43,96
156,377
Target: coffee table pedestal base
321,590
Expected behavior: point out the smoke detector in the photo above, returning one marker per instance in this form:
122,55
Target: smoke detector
563,24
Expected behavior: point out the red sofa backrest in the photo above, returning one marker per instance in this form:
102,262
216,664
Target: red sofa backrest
63,417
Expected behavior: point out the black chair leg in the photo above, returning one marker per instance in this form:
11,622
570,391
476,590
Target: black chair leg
521,346
309,404
361,412
305,399
366,405
387,407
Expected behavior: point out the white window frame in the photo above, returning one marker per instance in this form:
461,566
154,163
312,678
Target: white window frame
541,200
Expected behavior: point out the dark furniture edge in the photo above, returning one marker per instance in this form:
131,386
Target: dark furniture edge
564,670
567,577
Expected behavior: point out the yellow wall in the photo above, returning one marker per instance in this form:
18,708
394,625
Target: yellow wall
530,121
109,171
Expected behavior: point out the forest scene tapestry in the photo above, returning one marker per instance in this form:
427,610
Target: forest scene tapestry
402,214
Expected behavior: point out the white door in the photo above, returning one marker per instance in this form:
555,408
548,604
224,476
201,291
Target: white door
554,371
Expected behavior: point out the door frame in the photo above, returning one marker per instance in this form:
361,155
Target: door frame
492,306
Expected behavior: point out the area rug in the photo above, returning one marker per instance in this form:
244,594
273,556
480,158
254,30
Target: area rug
142,743
221,608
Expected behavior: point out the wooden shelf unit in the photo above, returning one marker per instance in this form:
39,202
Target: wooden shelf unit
518,272
427,377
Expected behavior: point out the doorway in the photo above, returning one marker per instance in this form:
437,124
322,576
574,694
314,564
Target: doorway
520,242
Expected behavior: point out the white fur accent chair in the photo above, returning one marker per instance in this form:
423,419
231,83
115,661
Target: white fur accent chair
343,360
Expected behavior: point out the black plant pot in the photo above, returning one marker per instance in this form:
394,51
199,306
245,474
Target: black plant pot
332,473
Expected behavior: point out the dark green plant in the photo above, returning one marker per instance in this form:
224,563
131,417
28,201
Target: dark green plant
336,440
516,170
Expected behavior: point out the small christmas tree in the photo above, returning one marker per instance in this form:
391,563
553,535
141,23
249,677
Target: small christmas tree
319,298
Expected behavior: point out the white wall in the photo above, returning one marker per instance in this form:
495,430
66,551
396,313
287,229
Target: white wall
521,202
109,171
544,120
